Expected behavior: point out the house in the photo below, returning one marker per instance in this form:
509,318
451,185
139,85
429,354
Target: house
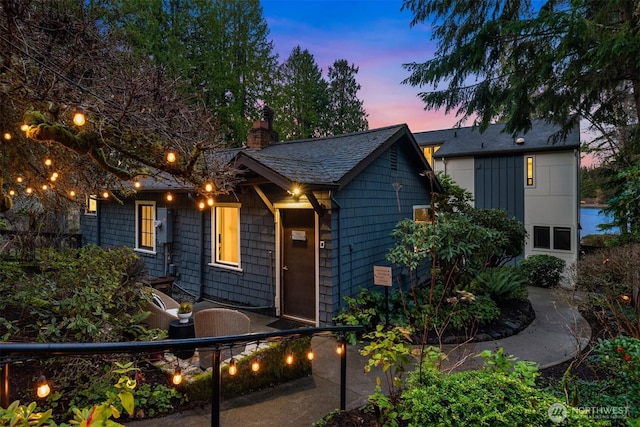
304,228
531,177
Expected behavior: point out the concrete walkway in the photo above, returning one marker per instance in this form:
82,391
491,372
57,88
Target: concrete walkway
557,334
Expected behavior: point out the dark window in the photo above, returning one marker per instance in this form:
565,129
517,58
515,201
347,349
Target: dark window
562,238
542,237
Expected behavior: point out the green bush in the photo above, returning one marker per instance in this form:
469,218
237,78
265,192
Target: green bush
80,295
543,271
503,284
273,370
479,398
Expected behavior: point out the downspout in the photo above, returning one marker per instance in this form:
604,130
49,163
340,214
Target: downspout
201,263
98,223
334,201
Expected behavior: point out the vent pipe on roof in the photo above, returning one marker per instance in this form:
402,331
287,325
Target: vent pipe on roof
520,141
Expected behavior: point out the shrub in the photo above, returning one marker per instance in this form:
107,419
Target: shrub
503,284
610,276
479,398
78,295
273,370
543,271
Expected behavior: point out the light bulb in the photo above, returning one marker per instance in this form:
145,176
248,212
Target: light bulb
210,202
28,190
340,349
255,365
171,157
19,179
48,161
24,127
208,187
137,184
44,187
43,389
233,367
72,193
7,136
105,195
177,377
201,205
78,117
289,359
310,355
12,192
169,197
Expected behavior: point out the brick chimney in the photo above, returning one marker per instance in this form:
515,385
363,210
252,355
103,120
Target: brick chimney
262,133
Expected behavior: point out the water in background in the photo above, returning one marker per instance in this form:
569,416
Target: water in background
590,218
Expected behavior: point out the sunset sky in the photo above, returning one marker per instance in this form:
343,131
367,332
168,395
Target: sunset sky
375,36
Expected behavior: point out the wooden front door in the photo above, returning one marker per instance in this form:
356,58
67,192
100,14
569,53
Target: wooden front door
298,277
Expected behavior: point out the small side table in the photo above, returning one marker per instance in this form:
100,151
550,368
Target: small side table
181,331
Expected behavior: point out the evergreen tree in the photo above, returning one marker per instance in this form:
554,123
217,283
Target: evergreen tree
562,60
218,48
301,110
346,111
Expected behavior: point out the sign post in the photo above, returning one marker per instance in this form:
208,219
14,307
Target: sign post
382,276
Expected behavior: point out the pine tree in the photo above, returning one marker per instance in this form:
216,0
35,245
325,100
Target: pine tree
346,111
301,110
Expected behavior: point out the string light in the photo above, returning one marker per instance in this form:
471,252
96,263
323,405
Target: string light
19,179
7,136
28,190
45,187
255,364
340,349
54,176
105,194
169,197
233,367
12,192
201,205
310,355
72,193
24,127
210,201
171,156
78,117
289,359
43,389
177,376
137,184
48,162
208,187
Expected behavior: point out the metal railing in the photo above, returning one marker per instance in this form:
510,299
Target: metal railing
9,351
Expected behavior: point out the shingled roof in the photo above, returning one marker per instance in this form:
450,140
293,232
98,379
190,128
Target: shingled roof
328,162
468,141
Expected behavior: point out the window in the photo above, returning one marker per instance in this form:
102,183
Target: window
91,207
145,226
226,235
561,238
423,213
530,171
429,152
541,237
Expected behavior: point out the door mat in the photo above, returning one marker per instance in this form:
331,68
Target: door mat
284,324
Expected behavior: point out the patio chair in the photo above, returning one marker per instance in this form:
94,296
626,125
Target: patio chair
163,308
215,322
